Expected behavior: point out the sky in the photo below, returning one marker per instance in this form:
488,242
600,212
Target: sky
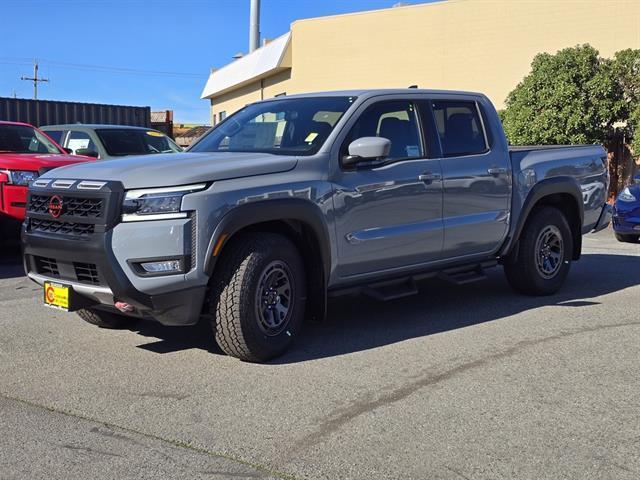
155,53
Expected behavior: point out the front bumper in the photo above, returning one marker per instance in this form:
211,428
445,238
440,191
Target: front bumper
12,201
177,304
89,249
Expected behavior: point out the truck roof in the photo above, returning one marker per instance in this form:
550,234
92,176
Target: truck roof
372,92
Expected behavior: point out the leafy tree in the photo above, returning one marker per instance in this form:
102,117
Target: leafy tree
625,69
570,97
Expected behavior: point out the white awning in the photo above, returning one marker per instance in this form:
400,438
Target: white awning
258,64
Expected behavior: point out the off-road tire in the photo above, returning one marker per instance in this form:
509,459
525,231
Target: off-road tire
104,319
521,269
236,319
627,238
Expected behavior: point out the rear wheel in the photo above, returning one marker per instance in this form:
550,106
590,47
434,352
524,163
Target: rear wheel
105,319
258,296
627,238
542,261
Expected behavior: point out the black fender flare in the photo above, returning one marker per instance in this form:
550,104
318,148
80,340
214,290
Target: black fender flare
248,214
542,189
282,209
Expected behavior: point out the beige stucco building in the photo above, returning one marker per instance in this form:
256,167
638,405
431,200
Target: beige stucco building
479,45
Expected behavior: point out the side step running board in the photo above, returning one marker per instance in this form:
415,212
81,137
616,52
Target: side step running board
406,286
464,275
391,290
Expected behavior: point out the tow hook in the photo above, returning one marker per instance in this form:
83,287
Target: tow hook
124,307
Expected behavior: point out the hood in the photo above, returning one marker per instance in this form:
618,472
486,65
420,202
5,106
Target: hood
36,161
160,170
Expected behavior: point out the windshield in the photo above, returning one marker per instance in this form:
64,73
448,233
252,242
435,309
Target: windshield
294,126
132,141
25,139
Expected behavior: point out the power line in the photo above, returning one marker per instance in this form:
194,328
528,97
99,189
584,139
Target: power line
99,68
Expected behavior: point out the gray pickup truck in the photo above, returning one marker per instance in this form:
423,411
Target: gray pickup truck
298,198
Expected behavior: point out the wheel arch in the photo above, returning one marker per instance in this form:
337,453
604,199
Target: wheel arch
563,193
297,219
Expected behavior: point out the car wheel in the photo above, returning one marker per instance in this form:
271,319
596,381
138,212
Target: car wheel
542,260
627,238
258,296
105,319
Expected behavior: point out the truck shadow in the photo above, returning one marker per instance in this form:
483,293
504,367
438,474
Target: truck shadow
357,323
10,260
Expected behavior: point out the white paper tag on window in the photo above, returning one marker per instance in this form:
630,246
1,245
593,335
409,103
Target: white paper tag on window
78,143
413,150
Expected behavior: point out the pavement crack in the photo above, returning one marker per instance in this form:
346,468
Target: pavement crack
161,395
260,470
453,470
342,416
89,450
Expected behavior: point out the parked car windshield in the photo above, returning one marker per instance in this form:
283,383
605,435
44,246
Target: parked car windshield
293,126
25,139
132,141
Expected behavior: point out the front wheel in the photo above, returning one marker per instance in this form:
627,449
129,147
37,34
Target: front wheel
543,258
627,238
258,296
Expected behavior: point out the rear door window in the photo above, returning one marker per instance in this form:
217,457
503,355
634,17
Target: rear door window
459,128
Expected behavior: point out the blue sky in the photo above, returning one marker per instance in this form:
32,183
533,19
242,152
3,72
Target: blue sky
185,37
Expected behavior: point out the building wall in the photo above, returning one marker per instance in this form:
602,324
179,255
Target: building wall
479,45
265,88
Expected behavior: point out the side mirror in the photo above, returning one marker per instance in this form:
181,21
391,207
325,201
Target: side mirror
367,148
86,152
67,150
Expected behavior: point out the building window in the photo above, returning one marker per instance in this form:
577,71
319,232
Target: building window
222,115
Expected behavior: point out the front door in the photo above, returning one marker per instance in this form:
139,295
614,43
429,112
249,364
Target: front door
388,213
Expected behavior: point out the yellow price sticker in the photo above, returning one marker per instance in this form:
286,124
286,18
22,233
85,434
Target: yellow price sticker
56,295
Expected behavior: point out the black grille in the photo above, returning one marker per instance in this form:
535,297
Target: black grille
72,206
86,273
47,266
66,228
67,270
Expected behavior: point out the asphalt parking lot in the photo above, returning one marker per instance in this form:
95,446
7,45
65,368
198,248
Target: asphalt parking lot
459,382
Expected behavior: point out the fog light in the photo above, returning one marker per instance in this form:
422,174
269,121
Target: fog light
164,266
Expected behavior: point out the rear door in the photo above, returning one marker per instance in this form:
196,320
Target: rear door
476,180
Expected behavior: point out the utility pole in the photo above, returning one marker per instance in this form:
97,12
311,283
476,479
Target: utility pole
35,79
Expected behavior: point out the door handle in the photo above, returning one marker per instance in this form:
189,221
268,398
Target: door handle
495,171
429,177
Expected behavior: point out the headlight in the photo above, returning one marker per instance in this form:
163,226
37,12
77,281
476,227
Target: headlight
156,203
626,196
20,177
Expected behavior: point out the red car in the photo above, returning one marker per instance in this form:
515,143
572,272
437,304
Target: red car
25,153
